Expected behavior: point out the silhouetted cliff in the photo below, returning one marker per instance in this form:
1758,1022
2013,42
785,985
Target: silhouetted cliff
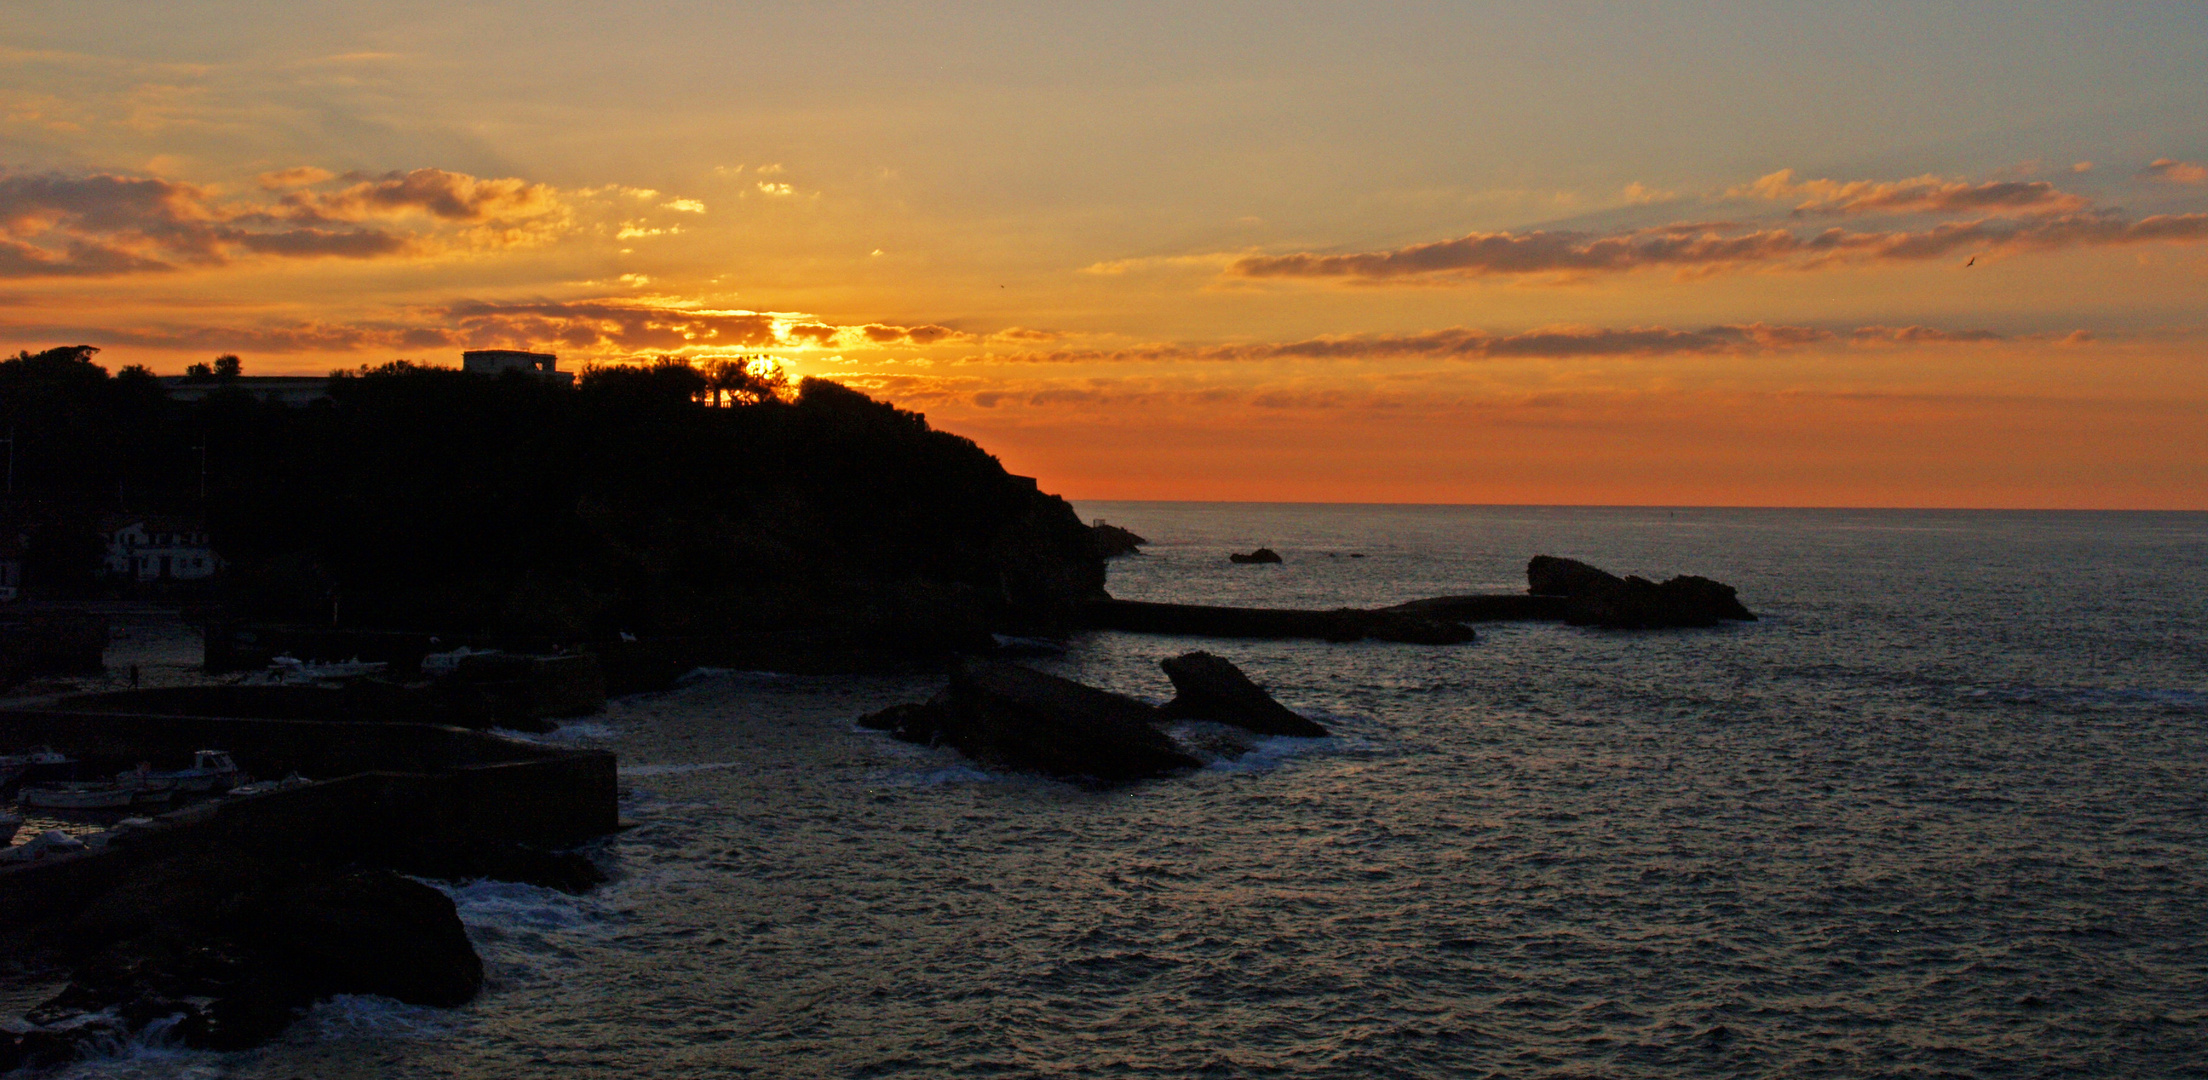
425,498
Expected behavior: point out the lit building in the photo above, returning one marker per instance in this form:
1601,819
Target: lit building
501,361
152,548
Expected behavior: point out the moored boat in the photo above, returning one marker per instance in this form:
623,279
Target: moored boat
212,770
146,786
38,756
39,763
262,787
76,795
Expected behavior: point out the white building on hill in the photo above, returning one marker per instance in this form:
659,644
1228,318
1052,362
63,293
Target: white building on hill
150,548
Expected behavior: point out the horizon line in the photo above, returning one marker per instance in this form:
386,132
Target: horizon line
1655,506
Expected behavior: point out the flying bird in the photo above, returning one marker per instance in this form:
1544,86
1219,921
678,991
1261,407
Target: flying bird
1973,262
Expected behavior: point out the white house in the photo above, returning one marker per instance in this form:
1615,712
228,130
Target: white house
147,548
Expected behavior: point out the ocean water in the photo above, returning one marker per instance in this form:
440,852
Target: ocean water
1942,812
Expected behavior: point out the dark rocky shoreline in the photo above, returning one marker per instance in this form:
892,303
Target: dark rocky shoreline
218,922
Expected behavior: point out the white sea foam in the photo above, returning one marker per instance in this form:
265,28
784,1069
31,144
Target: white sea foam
675,769
505,907
1271,752
950,774
363,1016
737,675
152,1051
581,733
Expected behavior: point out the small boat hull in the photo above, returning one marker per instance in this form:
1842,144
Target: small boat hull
76,796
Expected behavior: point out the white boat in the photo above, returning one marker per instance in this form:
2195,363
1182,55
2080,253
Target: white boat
38,755
212,770
76,795
146,786
292,671
263,787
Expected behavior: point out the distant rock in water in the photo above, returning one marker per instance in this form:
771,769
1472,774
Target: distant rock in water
913,723
1008,716
1109,541
1209,688
1597,597
1261,555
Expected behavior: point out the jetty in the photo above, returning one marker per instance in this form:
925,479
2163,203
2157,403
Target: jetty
1559,590
378,788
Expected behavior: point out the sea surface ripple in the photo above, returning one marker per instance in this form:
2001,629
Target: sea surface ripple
1940,813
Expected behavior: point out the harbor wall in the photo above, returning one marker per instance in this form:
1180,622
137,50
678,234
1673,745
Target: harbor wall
389,784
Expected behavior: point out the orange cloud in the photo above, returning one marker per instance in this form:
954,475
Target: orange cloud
298,176
1714,246
597,326
1921,335
884,334
1544,343
2177,172
2003,215
1917,195
450,196
611,324
108,224
54,225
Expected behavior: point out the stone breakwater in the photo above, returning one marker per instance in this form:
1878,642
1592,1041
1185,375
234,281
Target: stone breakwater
1558,590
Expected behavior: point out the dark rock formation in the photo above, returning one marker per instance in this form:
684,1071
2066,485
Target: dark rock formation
1598,598
1111,541
911,723
634,667
1007,716
227,947
1341,624
1261,555
370,931
1548,575
1209,688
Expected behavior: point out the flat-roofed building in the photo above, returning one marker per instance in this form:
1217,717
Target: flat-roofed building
279,389
501,361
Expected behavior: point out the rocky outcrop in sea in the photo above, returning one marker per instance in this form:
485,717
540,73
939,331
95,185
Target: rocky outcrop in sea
1007,716
1595,597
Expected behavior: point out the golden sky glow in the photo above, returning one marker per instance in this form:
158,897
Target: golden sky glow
1834,254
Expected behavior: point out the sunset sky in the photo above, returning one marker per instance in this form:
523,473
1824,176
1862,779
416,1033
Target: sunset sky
1688,253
